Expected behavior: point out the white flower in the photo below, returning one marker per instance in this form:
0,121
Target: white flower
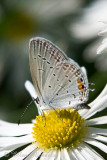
99,59
14,136
87,25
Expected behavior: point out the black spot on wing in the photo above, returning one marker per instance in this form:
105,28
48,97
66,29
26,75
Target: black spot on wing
48,62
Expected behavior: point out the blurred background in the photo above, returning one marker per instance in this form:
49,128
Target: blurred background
73,25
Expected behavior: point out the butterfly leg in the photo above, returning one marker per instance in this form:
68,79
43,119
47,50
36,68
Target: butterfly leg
41,112
43,116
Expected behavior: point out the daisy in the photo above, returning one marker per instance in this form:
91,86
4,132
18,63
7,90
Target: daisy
63,136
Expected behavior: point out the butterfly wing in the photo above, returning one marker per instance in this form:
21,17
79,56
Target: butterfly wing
43,57
59,81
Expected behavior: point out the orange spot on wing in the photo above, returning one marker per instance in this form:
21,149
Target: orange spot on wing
80,87
78,80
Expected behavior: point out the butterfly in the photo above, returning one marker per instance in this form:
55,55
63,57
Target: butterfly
58,80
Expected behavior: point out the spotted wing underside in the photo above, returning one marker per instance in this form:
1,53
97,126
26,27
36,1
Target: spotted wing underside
58,80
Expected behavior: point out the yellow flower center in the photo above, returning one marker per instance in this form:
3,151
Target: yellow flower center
63,129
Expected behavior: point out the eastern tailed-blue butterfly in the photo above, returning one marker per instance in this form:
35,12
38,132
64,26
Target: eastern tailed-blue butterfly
58,80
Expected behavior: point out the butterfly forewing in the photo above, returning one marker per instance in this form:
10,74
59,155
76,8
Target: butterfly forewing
43,59
57,79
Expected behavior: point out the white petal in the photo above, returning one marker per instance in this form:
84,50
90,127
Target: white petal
102,48
97,121
71,154
83,112
97,144
12,129
84,153
48,155
52,155
64,154
9,141
30,88
9,149
99,131
85,147
101,138
98,137
34,155
104,40
58,155
103,32
97,107
78,155
24,153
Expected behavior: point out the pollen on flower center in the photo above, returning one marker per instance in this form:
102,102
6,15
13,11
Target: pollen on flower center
63,130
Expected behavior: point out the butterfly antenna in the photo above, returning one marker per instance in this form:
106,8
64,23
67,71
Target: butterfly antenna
90,88
91,83
33,99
